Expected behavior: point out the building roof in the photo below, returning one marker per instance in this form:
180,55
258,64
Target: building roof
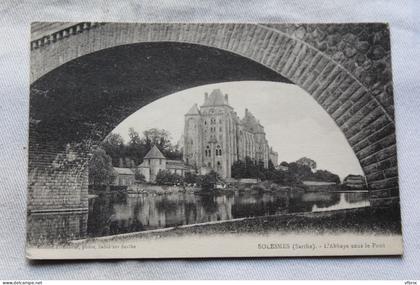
121,170
216,98
317,183
194,110
154,152
251,124
175,164
354,176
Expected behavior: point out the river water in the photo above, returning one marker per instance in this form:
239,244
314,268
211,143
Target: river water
116,214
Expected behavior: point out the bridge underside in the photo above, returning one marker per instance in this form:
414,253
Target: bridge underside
75,105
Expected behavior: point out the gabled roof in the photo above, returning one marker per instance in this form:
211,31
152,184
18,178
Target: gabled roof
154,152
216,98
251,123
121,170
193,111
175,164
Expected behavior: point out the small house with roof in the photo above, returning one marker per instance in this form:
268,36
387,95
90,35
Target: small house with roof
154,161
354,182
124,176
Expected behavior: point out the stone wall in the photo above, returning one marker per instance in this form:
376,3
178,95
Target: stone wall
56,228
345,67
58,179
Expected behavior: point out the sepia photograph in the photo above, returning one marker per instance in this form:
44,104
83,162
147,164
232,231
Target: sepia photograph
195,140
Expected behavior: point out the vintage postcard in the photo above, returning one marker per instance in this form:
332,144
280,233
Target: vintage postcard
181,140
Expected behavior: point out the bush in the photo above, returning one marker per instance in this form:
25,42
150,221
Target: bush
208,181
165,177
139,176
101,171
191,178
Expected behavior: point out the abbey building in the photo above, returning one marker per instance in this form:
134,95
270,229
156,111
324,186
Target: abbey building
215,137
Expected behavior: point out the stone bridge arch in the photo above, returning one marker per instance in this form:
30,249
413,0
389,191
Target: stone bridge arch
345,68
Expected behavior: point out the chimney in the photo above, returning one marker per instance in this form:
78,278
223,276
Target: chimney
227,98
206,96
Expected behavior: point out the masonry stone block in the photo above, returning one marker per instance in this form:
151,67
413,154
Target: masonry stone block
391,172
386,163
377,147
372,137
384,193
384,183
375,176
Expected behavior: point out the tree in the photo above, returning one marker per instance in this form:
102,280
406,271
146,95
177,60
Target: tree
248,169
284,163
114,147
191,178
327,176
307,162
114,139
136,148
165,177
299,171
208,181
139,176
282,177
251,169
159,137
131,154
134,137
238,169
101,171
172,152
270,165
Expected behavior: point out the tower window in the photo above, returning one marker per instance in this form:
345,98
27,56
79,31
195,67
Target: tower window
218,150
207,151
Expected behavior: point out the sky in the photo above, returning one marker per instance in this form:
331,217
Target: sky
295,124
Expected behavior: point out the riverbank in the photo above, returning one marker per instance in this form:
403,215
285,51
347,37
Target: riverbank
264,186
150,189
159,189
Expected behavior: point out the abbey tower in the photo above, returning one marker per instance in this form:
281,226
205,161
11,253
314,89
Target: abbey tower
215,137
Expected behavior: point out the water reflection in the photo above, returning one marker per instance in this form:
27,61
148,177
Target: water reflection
346,201
120,213
110,215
